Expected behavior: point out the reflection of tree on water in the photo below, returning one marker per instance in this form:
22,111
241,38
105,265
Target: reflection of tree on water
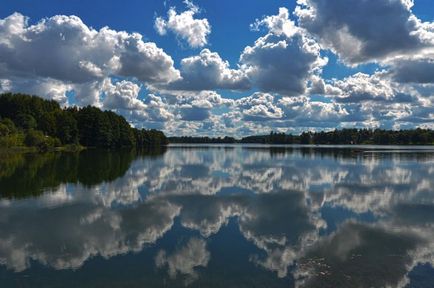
306,151
24,175
9,162
346,152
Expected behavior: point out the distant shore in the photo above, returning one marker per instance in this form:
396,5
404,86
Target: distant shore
336,137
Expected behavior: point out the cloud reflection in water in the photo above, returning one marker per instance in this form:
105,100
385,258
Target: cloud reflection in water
275,196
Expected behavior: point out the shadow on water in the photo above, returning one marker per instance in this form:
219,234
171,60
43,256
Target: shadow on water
30,174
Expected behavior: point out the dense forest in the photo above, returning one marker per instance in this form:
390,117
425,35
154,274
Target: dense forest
349,136
345,136
35,122
201,140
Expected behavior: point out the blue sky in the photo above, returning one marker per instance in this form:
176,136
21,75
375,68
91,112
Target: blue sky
349,66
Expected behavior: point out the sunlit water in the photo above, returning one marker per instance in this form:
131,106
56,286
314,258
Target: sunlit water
219,216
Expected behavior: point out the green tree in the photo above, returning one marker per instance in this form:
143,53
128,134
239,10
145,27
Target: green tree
4,130
34,138
47,123
89,126
67,130
26,121
10,125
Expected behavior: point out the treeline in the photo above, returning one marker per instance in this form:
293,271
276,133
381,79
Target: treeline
337,137
349,136
35,122
202,140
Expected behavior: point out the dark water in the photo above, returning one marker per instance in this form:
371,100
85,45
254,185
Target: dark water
219,216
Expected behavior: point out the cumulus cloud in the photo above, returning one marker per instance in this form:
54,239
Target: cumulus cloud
259,107
360,100
306,112
277,24
262,112
282,70
185,26
45,87
63,48
370,100
193,106
158,110
284,59
88,93
413,70
144,111
365,31
363,87
208,71
123,95
319,86
281,61
85,54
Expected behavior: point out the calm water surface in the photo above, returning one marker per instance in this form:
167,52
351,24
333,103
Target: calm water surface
219,216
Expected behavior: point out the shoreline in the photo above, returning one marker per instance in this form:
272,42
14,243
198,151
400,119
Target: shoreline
23,149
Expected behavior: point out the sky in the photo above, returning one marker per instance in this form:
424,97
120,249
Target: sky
237,68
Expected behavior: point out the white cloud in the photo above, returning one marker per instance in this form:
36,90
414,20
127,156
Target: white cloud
122,95
281,61
89,93
365,31
277,24
198,106
110,69
63,48
157,109
319,86
208,71
45,87
184,25
259,107
145,61
304,109
376,87
150,112
284,59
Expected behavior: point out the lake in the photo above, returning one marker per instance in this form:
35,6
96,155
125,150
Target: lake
219,216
